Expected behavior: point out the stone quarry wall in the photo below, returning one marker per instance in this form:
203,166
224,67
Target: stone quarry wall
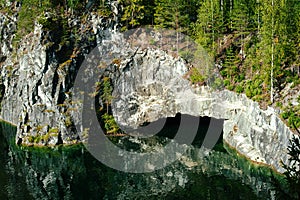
37,77
153,87
149,85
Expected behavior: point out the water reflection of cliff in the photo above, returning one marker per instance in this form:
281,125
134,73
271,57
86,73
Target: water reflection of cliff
72,173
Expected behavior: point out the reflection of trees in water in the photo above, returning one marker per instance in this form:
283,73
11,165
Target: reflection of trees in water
72,173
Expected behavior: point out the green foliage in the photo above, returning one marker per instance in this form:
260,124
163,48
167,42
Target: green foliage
230,65
292,172
68,121
217,83
107,119
32,10
2,3
54,130
171,14
242,19
133,14
186,55
106,92
104,11
27,16
5,9
253,89
239,89
292,115
74,4
196,77
239,77
136,13
110,124
36,139
209,25
251,40
49,23
226,82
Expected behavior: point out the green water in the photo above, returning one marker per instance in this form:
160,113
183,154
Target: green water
72,173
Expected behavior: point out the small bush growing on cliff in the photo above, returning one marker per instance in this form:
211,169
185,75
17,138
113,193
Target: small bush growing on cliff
292,115
104,11
106,92
196,76
110,124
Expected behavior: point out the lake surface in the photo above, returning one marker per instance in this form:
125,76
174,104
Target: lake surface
73,173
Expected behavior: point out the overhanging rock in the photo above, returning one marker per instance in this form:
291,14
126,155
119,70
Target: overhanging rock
153,87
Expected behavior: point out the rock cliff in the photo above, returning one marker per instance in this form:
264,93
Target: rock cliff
37,82
153,88
36,76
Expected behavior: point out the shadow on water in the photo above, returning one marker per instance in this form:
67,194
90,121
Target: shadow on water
12,183
172,125
72,173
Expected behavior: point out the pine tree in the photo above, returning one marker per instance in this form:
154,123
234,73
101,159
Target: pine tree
149,7
292,172
133,13
292,47
106,92
172,14
278,40
239,21
210,25
268,48
230,64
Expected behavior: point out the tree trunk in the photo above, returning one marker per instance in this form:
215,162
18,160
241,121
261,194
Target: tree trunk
258,16
212,25
107,107
177,34
272,57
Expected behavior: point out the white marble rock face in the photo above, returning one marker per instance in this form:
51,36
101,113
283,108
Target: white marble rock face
158,90
151,88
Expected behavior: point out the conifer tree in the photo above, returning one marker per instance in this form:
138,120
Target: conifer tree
292,172
210,25
292,47
277,45
172,14
239,20
106,92
133,13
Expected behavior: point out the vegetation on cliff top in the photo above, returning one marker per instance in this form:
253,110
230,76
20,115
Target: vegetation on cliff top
255,43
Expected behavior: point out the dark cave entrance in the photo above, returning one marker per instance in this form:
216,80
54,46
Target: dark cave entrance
172,125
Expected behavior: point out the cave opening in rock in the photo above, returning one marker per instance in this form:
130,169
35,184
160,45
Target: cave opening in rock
172,125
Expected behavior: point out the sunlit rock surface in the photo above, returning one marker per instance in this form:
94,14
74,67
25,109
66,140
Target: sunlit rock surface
36,80
149,84
153,87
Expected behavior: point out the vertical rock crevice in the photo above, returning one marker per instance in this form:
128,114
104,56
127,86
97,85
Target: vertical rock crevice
149,85
39,77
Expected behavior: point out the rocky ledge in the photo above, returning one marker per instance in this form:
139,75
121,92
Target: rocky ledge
38,73
153,87
148,83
